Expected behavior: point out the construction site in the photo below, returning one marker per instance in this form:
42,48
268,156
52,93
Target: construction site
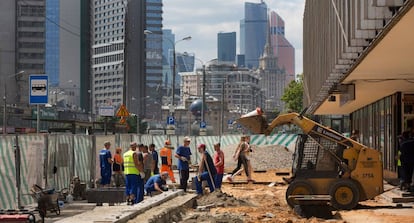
239,201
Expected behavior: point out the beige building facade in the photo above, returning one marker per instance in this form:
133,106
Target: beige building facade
358,62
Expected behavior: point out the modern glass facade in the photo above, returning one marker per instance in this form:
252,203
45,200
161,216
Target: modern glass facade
153,60
255,30
52,41
226,47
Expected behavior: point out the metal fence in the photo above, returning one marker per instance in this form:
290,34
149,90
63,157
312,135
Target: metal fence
51,160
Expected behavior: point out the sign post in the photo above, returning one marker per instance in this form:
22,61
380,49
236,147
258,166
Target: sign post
106,111
203,130
39,94
170,125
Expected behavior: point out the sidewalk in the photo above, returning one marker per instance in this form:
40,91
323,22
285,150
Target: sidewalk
120,213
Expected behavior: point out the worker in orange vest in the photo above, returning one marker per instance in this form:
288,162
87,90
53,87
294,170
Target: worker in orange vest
166,159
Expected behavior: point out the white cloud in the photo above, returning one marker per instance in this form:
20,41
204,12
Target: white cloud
202,20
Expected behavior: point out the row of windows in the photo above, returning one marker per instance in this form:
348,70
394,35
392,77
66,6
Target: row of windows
108,40
30,24
107,59
32,10
107,88
31,55
31,45
109,81
110,19
31,34
110,26
112,12
277,30
110,48
106,68
105,7
30,66
111,33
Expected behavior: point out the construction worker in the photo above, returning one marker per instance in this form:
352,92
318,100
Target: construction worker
206,171
166,159
134,174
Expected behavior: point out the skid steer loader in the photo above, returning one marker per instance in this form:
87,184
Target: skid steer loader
327,167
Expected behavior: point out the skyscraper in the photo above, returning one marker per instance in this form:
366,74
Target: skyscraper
282,49
153,61
63,51
226,47
168,39
118,54
22,48
253,32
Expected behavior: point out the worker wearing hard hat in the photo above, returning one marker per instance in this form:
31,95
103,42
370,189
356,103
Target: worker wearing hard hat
166,159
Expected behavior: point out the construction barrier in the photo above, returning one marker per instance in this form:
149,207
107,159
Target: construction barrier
52,160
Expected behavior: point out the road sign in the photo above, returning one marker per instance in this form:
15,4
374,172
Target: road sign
203,131
106,111
122,112
38,85
203,125
170,130
170,120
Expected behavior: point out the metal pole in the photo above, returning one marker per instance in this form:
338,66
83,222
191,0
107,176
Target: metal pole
222,112
4,111
38,119
204,93
18,163
173,81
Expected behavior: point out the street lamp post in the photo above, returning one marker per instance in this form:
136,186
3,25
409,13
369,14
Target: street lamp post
5,101
174,67
204,88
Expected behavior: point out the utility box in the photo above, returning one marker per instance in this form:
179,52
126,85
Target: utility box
106,195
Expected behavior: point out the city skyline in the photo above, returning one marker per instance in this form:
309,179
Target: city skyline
209,18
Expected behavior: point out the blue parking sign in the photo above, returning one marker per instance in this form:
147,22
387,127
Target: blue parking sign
203,125
170,120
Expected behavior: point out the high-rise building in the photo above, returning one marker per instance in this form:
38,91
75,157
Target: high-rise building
153,62
22,48
22,45
168,39
253,29
226,47
272,78
282,49
63,51
118,55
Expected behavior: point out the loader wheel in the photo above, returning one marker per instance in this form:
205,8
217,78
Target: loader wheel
297,187
344,195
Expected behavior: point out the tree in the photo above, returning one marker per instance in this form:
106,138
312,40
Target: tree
293,95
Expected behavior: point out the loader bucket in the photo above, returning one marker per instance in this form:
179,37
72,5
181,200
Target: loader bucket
254,121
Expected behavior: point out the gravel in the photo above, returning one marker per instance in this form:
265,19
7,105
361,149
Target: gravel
263,157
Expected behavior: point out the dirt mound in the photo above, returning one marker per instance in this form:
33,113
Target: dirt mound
209,218
219,199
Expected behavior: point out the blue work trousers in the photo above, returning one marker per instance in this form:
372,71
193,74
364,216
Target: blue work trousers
204,176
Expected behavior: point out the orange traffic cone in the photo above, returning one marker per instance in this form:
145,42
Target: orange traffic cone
258,111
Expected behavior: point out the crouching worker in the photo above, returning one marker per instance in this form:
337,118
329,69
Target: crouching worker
157,183
206,171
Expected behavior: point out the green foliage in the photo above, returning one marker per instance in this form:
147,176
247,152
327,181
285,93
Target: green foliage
293,95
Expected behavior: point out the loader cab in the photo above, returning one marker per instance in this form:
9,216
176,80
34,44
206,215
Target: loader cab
316,157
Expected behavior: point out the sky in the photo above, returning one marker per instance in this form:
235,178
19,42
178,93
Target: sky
203,19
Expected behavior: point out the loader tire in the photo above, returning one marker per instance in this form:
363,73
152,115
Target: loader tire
297,187
344,194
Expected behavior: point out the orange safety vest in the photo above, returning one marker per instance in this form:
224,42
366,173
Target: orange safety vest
166,156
